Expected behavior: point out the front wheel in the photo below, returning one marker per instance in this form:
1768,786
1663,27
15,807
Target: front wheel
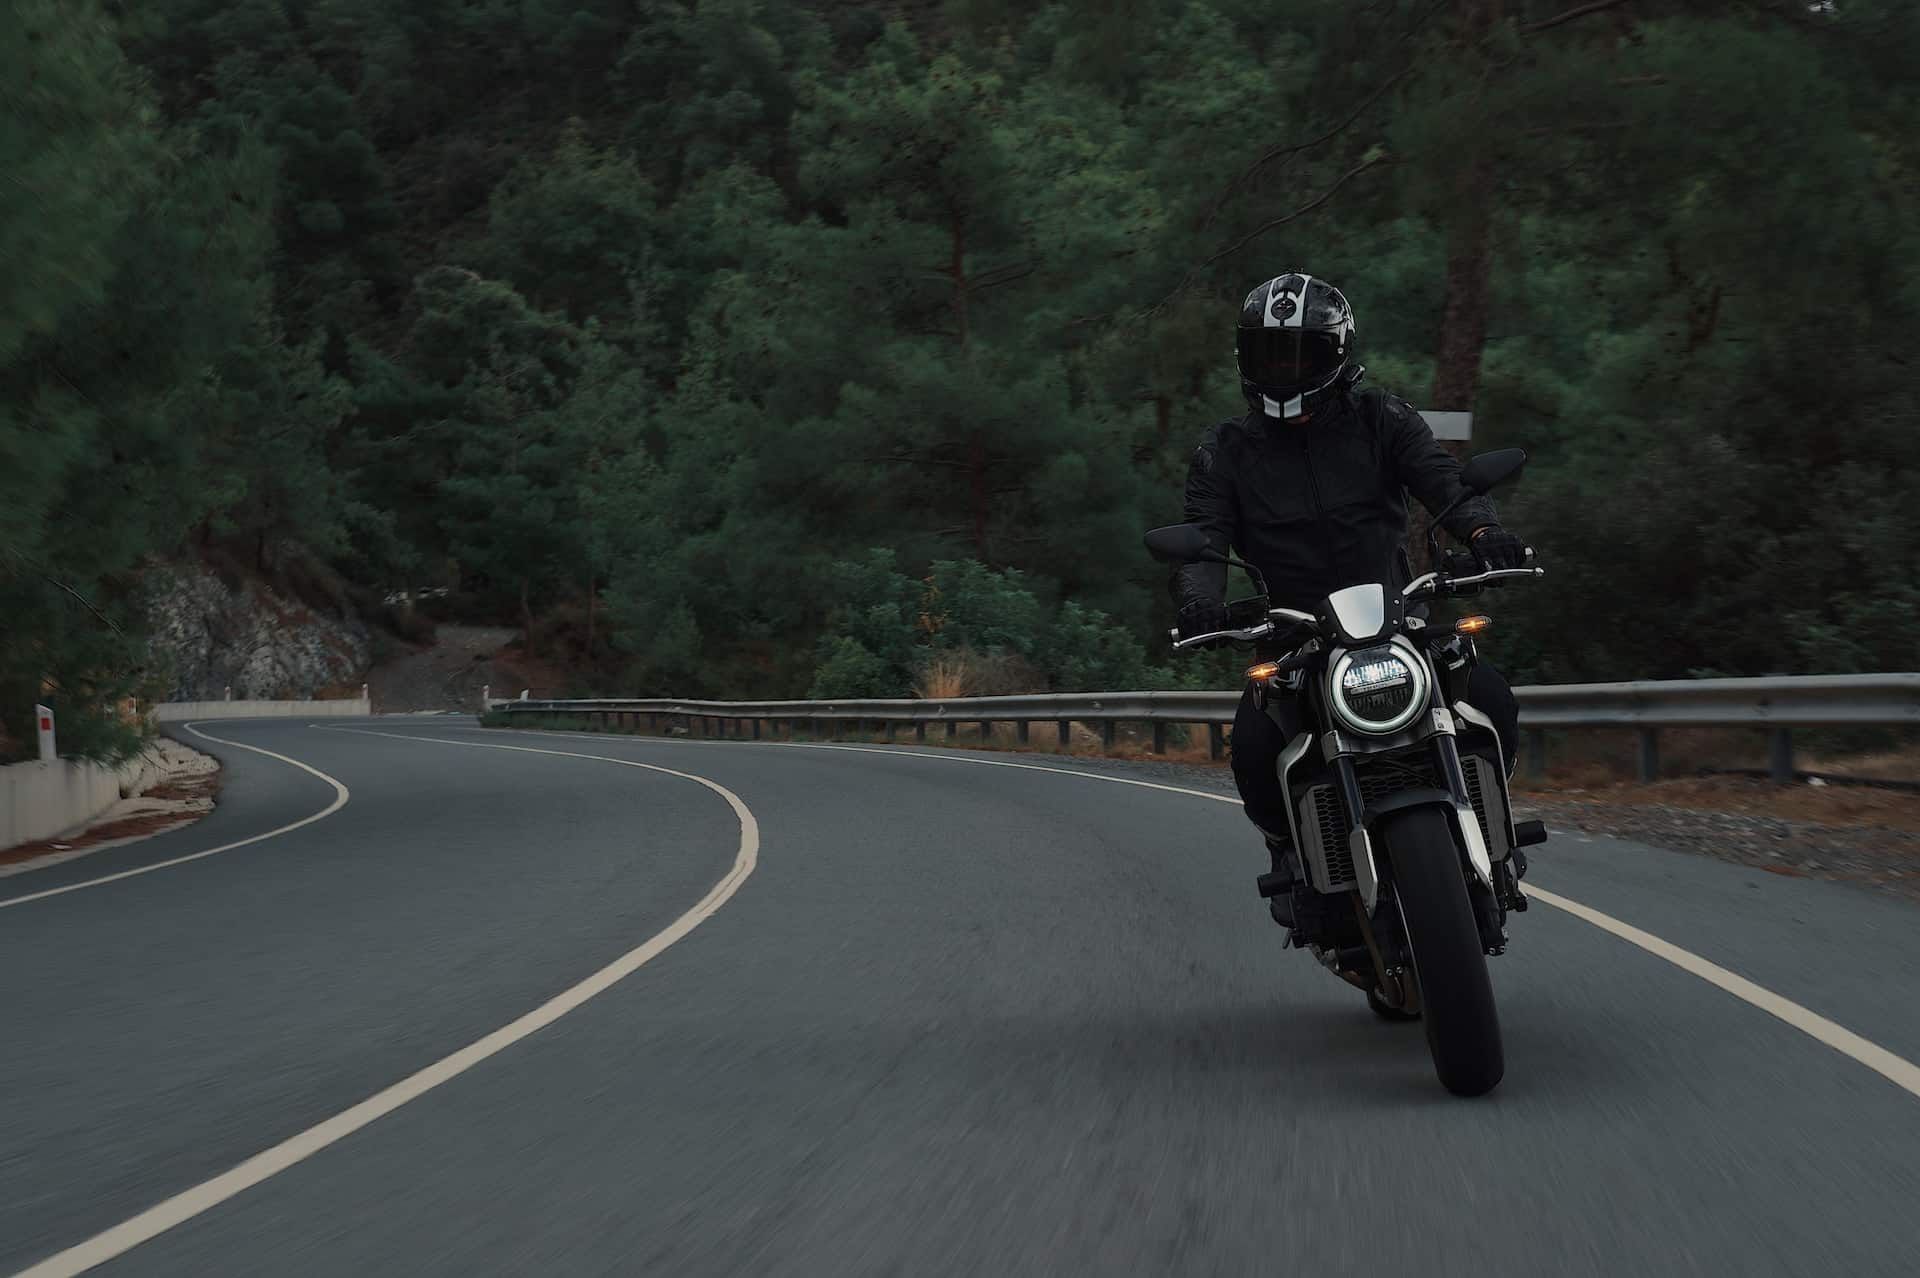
1463,1028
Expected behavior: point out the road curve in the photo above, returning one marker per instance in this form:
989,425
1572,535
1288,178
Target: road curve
960,1020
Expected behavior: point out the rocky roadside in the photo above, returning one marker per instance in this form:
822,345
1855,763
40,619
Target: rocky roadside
1875,856
210,636
182,791
448,674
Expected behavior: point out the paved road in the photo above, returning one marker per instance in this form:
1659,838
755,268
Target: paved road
961,1019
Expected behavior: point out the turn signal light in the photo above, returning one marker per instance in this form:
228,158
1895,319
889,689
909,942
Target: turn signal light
1472,625
1264,671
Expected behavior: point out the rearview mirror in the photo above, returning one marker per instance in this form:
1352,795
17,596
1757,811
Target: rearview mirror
1487,471
1182,544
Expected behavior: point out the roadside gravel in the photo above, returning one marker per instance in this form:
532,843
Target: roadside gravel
1868,855
1871,856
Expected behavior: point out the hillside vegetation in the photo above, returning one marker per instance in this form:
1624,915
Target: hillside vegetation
765,347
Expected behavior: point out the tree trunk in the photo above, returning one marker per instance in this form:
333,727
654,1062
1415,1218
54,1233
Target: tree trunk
1463,316
1463,311
592,597
526,613
977,473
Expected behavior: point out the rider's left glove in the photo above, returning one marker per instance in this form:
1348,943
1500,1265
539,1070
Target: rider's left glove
1495,547
1203,618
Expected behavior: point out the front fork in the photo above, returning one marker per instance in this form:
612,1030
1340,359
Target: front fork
1467,826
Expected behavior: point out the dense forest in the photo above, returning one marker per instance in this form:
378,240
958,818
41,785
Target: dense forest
774,347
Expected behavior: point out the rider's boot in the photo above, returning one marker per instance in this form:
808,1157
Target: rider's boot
1277,885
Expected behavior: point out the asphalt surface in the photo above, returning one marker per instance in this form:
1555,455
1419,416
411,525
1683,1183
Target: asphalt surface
961,1019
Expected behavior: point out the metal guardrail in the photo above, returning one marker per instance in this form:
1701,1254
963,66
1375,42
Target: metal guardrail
1805,700
1779,704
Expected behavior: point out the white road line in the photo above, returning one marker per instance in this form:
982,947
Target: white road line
1898,1070
185,1206
340,797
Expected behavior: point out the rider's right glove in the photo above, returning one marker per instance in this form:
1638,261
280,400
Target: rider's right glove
1203,619
1495,547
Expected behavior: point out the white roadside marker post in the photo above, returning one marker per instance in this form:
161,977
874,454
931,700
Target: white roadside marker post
44,718
1455,427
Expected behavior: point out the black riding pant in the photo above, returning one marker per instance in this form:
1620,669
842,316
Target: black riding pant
1257,742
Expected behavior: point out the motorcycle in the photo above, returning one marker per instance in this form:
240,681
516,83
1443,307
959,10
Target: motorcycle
1409,857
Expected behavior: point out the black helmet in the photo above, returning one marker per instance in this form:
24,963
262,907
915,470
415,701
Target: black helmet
1296,341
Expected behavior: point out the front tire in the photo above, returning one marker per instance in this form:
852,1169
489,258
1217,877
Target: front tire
1463,1027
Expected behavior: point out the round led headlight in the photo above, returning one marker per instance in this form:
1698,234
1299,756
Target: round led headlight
1379,690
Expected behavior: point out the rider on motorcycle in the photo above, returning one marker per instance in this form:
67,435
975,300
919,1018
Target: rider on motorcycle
1310,487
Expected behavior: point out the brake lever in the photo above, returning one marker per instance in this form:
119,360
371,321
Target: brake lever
1255,632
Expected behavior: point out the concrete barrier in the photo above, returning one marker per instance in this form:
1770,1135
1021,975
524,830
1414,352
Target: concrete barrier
40,800
179,711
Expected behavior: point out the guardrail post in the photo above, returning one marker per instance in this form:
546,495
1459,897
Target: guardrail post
756,729
1107,734
1159,737
1780,755
1536,752
1649,755
986,733
1066,733
890,727
920,730
1216,741
1023,731
953,729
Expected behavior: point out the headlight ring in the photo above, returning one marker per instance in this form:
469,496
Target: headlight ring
1379,690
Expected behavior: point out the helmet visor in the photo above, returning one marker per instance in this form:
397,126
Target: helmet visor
1289,359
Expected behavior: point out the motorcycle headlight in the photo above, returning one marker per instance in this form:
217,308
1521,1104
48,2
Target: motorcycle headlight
1379,690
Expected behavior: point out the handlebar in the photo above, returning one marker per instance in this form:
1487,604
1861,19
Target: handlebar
1428,586
1434,583
1293,617
1251,633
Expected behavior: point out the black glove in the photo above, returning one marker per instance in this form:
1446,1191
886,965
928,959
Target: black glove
1495,547
1203,619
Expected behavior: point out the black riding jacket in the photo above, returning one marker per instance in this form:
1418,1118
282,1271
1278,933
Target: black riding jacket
1320,505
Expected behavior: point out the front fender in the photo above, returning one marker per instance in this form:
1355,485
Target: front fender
1401,800
1466,827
